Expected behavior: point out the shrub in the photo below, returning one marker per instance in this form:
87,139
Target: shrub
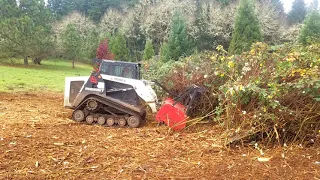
103,51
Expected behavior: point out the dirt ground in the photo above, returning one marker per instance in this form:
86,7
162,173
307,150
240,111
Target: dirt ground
39,141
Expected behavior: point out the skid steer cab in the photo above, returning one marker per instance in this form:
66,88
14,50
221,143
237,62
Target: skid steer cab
115,95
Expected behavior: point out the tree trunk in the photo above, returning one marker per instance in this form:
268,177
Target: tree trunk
37,61
73,64
25,61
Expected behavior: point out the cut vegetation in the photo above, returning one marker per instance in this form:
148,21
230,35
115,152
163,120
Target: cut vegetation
259,117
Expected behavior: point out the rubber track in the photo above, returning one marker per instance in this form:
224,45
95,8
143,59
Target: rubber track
121,106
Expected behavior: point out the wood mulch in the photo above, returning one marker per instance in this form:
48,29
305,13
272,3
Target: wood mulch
39,141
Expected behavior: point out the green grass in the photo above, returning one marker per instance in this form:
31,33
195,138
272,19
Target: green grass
14,76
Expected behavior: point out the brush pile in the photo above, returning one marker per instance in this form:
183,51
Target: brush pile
271,93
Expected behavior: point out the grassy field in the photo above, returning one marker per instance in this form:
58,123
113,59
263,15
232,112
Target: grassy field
48,76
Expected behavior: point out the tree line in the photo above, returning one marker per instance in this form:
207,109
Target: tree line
94,9
139,30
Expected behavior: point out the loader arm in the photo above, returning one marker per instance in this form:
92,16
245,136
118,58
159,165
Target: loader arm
142,88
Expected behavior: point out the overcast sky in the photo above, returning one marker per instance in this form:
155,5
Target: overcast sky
288,3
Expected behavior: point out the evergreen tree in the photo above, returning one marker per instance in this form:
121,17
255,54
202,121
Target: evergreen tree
134,34
60,8
31,34
204,41
148,50
40,39
95,9
8,9
71,42
298,12
164,52
311,28
8,15
246,29
118,47
178,43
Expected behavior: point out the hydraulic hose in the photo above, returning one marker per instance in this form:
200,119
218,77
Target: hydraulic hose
164,88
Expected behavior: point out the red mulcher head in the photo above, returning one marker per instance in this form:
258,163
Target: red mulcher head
175,112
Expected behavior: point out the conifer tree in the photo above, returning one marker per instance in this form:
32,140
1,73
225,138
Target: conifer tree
178,43
246,29
118,47
298,12
8,16
164,52
204,40
311,29
8,8
25,29
148,50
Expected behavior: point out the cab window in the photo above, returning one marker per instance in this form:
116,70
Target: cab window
117,70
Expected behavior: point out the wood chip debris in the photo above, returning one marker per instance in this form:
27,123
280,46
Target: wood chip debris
263,159
58,144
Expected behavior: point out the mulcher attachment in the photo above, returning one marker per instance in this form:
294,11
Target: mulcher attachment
175,112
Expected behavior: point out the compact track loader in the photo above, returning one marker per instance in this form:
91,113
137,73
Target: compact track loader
115,95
